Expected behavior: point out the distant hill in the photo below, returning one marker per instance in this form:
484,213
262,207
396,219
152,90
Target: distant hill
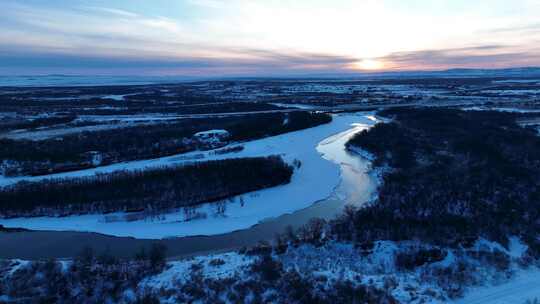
67,80
463,72
84,80
523,71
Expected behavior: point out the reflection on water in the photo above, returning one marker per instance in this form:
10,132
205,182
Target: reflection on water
356,186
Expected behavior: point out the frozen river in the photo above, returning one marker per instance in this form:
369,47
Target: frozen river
354,186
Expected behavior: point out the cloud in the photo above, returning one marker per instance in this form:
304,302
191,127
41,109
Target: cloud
237,63
257,62
213,4
162,23
92,29
111,11
241,36
514,29
484,56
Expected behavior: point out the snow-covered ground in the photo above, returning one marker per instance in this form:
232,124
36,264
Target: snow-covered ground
63,131
501,109
130,118
531,81
118,97
68,80
512,92
525,286
337,261
294,105
377,267
325,88
313,181
218,266
334,262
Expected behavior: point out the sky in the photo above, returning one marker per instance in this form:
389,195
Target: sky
264,37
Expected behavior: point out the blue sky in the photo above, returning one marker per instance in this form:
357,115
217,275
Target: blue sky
264,38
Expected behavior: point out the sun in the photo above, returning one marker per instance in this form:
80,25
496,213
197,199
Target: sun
368,64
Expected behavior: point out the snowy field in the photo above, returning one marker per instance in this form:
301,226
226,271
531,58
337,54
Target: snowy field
525,286
340,261
527,81
63,131
313,181
294,105
88,81
335,262
179,272
501,109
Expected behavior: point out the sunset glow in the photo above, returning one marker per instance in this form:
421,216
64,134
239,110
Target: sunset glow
239,37
369,64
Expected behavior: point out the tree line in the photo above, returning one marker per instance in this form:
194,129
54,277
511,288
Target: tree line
455,176
47,156
144,190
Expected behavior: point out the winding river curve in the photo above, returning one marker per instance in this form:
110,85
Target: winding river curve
356,187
